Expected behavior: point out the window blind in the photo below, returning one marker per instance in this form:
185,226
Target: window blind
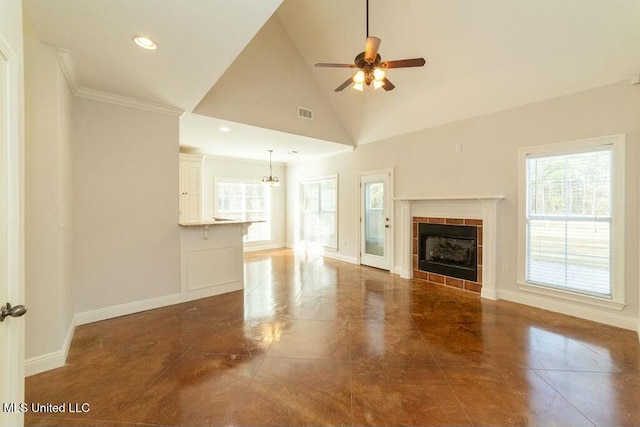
568,223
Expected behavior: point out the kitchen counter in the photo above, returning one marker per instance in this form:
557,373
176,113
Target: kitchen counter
211,257
214,221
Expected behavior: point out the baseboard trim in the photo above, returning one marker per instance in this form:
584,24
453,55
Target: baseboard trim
340,257
153,303
127,308
262,247
210,291
588,313
53,360
491,294
319,250
405,274
57,359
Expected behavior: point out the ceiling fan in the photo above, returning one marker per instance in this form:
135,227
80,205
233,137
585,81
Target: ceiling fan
371,68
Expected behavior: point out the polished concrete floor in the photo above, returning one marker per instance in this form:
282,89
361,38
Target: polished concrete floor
313,341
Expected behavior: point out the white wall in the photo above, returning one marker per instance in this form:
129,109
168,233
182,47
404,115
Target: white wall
47,199
426,164
265,85
225,167
125,205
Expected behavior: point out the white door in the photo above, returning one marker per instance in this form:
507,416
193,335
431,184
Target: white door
375,219
193,177
190,192
11,286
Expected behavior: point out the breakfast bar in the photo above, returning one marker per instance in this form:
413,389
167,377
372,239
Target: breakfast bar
211,257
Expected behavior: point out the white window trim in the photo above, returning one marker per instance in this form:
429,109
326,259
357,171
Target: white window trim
243,181
617,300
320,178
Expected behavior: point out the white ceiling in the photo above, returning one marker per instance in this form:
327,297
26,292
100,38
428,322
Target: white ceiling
197,40
203,134
482,56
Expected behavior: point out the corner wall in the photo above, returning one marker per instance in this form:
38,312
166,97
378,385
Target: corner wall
426,163
125,206
101,208
48,224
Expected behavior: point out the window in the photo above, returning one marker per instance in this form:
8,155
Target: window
374,218
245,201
572,214
318,213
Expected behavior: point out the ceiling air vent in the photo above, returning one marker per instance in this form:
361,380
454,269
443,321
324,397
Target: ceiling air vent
305,113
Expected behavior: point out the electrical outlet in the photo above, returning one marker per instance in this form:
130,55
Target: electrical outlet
344,243
505,268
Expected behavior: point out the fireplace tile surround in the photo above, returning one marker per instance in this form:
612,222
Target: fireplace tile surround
481,211
441,278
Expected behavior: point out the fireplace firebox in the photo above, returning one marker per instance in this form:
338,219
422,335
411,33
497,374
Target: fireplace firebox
450,250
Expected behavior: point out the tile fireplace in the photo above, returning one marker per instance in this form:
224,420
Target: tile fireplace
478,212
448,251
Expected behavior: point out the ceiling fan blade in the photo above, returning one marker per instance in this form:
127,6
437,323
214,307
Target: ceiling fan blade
387,84
328,64
404,63
345,84
371,49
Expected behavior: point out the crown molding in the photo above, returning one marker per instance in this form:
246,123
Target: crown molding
139,104
68,69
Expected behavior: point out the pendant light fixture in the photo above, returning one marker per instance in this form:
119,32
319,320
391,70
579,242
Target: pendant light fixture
271,180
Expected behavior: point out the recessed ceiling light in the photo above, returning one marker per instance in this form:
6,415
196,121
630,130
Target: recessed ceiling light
145,42
224,129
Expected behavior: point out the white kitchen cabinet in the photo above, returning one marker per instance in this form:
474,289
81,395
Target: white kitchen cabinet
190,188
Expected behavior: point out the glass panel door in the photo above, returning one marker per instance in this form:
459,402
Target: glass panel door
374,219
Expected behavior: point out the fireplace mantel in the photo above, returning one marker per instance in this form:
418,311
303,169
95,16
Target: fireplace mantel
484,207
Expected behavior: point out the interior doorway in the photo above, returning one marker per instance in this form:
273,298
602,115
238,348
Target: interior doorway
11,237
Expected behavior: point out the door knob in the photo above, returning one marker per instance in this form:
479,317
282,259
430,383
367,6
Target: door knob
16,311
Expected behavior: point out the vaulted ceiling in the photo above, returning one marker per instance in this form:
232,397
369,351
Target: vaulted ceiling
243,62
197,39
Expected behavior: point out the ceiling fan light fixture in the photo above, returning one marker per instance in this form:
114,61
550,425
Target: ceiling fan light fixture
370,65
379,74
